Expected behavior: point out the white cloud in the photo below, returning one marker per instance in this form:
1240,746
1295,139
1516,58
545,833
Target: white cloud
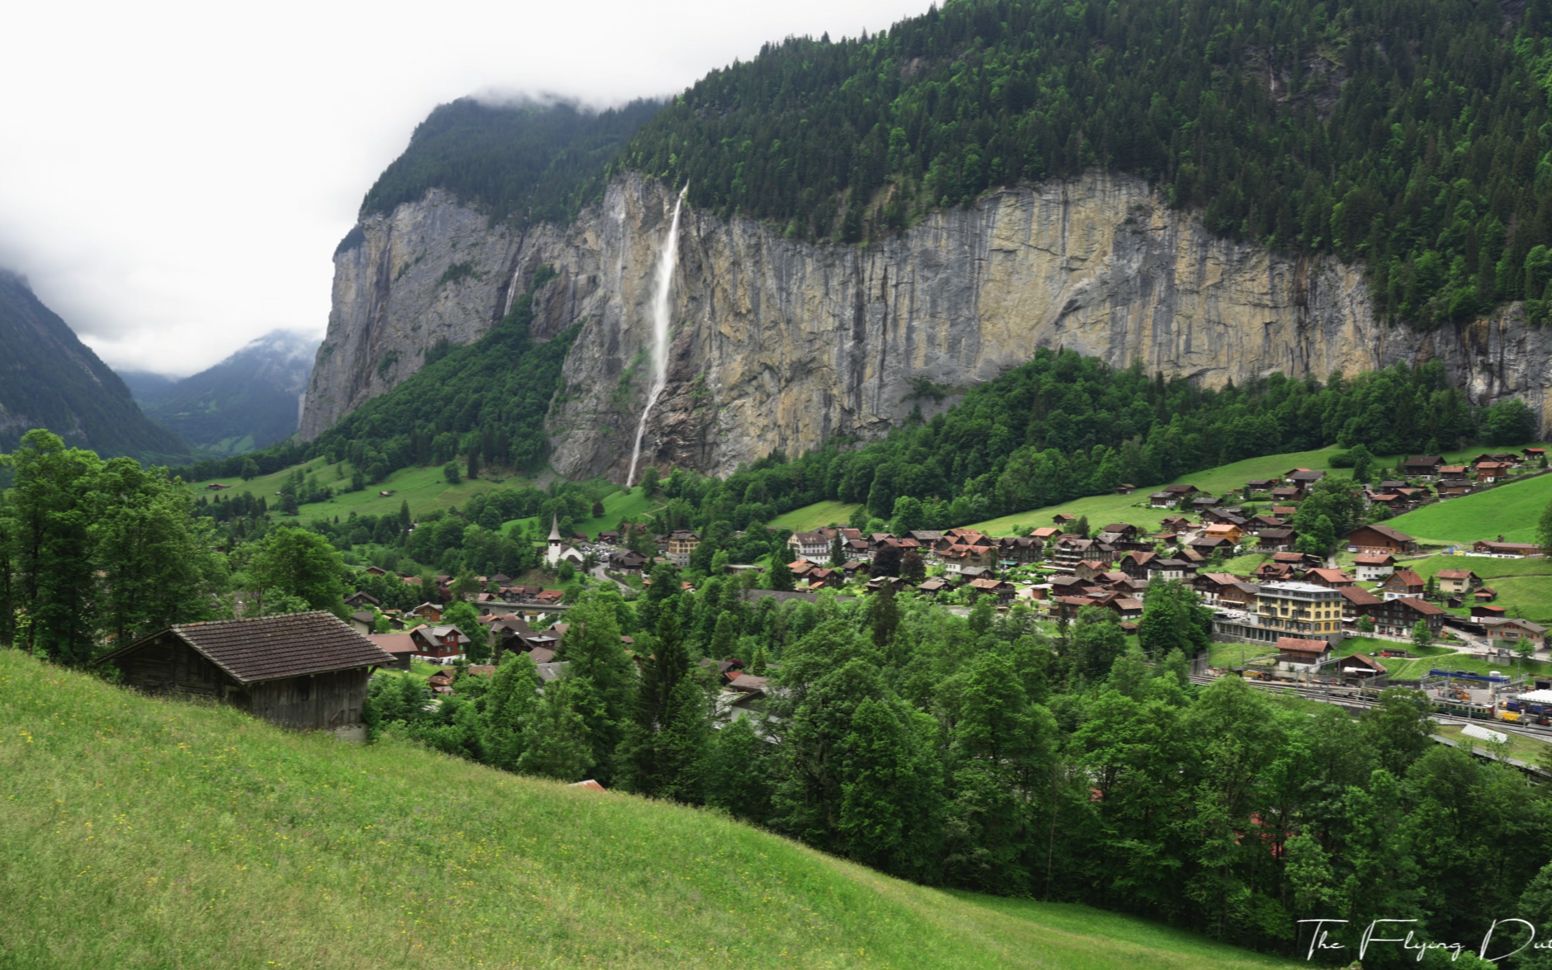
174,176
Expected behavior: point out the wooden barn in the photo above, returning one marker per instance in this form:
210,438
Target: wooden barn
304,670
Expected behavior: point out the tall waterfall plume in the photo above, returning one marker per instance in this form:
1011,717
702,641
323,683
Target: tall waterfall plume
666,261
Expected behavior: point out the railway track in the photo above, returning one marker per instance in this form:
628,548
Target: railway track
1354,698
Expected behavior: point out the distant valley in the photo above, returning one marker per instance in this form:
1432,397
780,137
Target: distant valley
249,400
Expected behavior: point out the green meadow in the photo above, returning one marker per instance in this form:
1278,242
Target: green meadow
1511,511
154,833
815,516
425,489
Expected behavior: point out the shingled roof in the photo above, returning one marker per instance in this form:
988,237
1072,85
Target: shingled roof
269,648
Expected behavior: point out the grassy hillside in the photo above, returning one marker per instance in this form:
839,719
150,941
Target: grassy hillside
815,516
147,833
1511,511
1133,508
424,488
1524,585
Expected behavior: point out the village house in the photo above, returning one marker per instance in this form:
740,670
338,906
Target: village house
399,646
1514,631
439,642
996,588
809,545
1489,472
1379,539
1329,578
1303,478
1296,653
1402,582
1356,599
1422,465
1397,617
1229,532
430,612
1372,568
1171,496
1454,582
682,544
301,670
363,621
1135,564
1510,550
1271,539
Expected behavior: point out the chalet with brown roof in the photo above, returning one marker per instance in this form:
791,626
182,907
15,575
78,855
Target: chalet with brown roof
823,577
1174,523
1274,572
1071,550
1303,478
1019,550
1372,567
1403,582
1224,530
1535,454
399,646
1454,582
1329,578
1425,465
1380,539
1360,666
1515,630
1482,609
1397,617
1274,539
933,585
1511,550
1118,532
1170,569
1489,472
440,641
1355,599
1045,533
1063,518
1135,564
1296,652
430,612
1259,486
996,588
300,670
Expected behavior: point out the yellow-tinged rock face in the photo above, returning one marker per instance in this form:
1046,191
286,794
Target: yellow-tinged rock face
783,344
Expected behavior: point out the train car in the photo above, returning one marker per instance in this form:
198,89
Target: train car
1511,716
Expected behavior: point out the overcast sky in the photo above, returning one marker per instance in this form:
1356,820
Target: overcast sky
174,176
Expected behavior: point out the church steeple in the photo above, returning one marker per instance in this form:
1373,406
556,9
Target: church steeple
552,553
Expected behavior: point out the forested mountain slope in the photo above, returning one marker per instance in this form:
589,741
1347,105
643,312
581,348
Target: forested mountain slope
249,400
1212,190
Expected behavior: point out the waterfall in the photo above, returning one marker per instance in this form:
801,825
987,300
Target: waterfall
665,282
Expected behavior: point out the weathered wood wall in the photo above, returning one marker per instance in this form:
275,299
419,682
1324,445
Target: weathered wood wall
330,701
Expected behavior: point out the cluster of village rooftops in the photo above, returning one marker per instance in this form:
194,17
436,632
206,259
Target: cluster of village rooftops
310,670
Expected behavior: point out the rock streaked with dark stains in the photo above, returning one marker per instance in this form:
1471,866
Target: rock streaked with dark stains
785,344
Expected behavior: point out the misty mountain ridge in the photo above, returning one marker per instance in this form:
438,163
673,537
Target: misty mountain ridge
49,379
247,401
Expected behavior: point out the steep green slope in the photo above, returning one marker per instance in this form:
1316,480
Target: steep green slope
49,379
147,833
1511,511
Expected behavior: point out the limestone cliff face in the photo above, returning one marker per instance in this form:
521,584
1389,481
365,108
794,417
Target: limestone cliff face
784,344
